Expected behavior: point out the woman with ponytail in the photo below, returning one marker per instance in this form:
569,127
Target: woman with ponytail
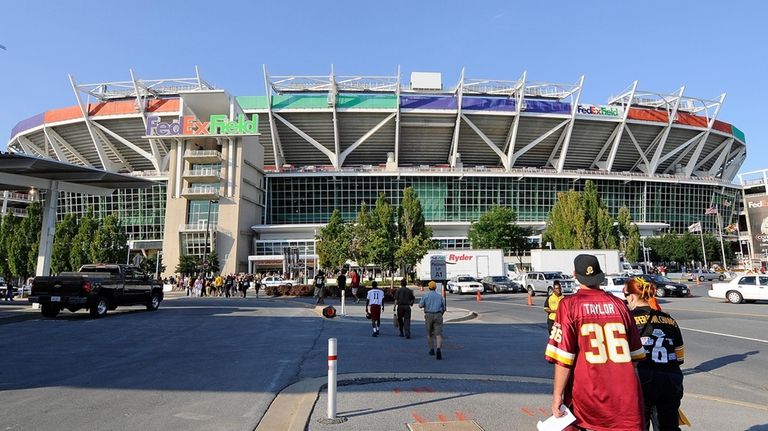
659,373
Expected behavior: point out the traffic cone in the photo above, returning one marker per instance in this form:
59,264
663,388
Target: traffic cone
530,299
478,297
698,282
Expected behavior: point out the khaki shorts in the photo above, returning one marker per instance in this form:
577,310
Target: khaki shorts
434,323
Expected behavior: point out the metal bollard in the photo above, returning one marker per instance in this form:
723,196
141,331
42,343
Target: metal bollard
343,301
332,358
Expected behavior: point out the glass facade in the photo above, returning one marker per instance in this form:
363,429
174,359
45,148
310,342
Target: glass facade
312,199
269,248
199,210
141,211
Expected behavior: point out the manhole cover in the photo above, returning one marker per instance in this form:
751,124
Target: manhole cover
446,426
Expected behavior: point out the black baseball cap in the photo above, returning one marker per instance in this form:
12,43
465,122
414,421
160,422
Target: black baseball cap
587,270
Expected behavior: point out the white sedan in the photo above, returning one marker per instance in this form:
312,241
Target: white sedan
748,288
277,281
464,284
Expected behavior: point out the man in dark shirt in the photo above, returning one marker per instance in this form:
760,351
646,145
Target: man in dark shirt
341,282
403,301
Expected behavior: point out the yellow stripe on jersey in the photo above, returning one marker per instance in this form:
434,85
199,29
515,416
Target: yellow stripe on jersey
638,355
680,353
558,355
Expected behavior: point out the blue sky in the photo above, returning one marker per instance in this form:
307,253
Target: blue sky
710,47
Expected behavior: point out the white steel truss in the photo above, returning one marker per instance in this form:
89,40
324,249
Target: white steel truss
146,88
457,125
512,135
697,153
569,130
277,149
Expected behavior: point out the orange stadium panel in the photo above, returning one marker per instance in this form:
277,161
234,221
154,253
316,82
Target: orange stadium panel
723,127
112,108
163,105
647,115
63,114
691,120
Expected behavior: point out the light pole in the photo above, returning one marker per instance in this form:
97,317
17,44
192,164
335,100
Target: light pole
157,264
208,228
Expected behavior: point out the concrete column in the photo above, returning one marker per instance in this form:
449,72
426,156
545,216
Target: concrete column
5,202
48,230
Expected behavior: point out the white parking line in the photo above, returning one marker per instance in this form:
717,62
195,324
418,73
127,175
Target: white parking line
714,312
725,335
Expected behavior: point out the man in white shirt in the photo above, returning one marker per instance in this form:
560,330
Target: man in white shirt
375,302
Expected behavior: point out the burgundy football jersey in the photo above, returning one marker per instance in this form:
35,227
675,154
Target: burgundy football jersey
595,335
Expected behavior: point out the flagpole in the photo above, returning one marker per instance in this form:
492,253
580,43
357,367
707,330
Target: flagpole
722,247
703,251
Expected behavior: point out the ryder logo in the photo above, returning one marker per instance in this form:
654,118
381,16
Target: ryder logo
459,257
188,125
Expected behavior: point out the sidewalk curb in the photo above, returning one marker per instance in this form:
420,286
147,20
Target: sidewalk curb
292,407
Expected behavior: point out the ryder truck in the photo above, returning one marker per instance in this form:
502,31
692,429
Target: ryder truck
476,263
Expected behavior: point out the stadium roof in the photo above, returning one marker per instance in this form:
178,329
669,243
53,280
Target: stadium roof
20,172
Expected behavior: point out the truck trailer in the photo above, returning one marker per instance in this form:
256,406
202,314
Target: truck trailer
562,260
475,263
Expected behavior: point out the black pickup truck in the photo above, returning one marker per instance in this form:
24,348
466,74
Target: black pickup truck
96,287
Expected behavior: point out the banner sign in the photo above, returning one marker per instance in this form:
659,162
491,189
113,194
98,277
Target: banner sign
546,106
757,218
217,125
600,111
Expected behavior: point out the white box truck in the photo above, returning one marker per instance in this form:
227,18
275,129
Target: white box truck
476,263
562,260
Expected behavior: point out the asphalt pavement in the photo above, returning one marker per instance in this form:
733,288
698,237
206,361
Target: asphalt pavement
474,387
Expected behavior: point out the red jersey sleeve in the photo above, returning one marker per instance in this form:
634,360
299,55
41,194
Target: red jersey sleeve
563,340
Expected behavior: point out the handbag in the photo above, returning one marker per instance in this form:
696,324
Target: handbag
394,318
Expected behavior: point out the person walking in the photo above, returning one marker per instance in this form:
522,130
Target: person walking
355,281
434,306
660,374
593,343
341,282
198,286
374,304
404,299
551,303
320,287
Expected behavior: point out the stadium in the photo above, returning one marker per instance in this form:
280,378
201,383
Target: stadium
249,176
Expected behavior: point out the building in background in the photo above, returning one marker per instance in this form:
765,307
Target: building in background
278,165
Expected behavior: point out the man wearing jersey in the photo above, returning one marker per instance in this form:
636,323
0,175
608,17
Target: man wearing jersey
593,344
660,374
374,305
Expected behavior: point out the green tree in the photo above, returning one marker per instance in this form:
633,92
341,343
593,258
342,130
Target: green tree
415,236
109,243
214,267
581,221
333,242
630,235
566,224
383,241
359,234
62,244
23,247
7,233
497,228
149,263
188,265
86,229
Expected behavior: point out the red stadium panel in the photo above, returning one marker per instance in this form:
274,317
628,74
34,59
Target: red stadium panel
690,120
648,115
723,127
63,114
163,105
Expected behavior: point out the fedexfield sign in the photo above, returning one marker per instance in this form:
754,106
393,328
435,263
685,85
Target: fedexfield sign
217,125
601,111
